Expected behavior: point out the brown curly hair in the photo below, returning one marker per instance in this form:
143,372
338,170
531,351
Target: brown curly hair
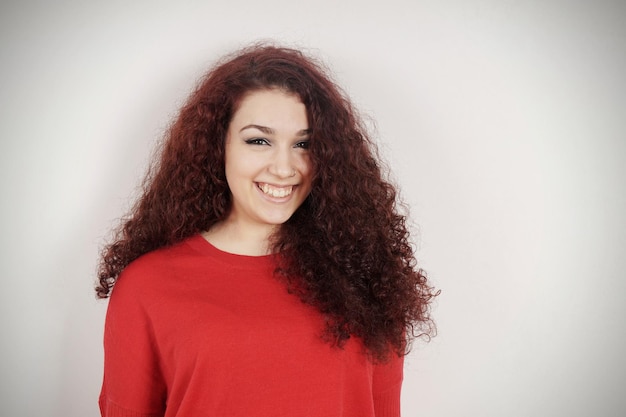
346,249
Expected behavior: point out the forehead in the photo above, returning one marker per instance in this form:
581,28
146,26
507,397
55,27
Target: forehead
272,106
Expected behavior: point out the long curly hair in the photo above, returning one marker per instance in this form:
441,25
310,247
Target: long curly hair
345,251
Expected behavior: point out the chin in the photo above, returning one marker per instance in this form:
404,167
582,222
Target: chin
278,220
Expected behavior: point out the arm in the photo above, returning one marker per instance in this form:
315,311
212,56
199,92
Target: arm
133,384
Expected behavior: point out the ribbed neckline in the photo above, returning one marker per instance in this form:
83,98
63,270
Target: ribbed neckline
201,245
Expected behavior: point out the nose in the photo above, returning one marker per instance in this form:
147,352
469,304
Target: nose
282,165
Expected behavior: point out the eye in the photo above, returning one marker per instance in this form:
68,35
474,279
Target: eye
257,141
302,144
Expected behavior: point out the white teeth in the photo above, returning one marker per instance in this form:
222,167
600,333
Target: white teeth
276,192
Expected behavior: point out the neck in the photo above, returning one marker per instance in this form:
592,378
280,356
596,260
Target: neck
233,237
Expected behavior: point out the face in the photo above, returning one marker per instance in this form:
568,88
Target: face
266,158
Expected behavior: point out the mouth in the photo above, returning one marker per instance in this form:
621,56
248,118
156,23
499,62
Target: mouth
274,191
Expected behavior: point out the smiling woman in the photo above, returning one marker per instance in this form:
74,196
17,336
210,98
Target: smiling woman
268,170
265,270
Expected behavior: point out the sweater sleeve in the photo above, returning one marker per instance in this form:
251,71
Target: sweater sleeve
133,384
387,386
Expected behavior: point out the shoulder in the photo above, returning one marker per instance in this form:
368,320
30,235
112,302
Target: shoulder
157,269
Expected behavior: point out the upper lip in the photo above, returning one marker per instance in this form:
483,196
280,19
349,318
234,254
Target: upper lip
276,185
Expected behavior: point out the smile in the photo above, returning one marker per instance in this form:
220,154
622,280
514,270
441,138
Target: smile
277,192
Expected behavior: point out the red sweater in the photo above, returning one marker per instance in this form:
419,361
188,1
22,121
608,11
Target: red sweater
192,331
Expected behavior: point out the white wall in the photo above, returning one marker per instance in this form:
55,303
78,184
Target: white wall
505,126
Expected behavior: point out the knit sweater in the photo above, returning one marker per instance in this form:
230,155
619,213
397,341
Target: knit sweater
193,331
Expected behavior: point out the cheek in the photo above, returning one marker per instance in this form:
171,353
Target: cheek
239,165
305,166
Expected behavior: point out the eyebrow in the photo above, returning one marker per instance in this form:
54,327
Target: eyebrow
270,131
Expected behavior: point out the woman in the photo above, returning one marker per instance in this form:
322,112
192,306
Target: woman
265,270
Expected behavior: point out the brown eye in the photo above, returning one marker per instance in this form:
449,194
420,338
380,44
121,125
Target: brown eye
303,144
257,141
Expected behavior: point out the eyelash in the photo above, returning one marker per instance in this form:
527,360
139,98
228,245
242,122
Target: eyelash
303,144
260,141
257,141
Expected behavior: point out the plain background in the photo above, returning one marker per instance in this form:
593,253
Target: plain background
503,121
